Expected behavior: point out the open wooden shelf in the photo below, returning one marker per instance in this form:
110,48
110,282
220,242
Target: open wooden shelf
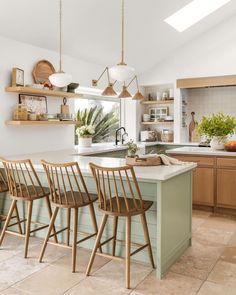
160,102
39,123
43,92
157,123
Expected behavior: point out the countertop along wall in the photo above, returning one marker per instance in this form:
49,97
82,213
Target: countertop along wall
31,139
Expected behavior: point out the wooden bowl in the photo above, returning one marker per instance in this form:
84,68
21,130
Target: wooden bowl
230,146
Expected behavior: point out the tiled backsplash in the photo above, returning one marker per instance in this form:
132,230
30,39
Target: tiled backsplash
206,101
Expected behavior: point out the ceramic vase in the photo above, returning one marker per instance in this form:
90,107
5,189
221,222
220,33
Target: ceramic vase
85,141
217,143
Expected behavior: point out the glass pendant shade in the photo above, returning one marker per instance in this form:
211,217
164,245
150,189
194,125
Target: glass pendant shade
60,79
138,96
121,72
109,91
125,93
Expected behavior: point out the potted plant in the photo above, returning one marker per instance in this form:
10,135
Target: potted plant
85,135
217,128
132,148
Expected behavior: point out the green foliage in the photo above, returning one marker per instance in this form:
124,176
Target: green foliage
132,147
104,124
217,125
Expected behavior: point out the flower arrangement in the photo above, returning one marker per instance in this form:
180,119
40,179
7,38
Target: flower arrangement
132,148
85,131
218,125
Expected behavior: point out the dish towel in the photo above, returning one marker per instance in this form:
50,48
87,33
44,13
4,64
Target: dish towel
166,160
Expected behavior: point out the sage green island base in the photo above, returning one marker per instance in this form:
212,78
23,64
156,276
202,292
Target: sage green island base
169,219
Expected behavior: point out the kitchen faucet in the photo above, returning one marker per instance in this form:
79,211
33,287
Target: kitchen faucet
122,137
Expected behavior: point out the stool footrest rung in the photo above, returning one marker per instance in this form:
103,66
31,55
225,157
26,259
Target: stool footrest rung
106,255
15,233
58,232
39,228
86,238
106,241
139,249
13,224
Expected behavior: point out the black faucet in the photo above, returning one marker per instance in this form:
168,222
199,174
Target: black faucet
122,138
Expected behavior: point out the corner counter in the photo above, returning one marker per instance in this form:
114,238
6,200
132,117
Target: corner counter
169,219
214,179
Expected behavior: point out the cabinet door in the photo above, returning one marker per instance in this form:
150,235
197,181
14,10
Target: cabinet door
203,186
226,188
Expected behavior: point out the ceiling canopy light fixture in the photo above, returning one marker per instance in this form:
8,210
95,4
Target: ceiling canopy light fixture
60,79
125,93
108,91
193,12
122,71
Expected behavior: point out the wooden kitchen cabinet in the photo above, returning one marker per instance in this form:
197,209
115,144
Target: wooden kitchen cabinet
203,186
226,188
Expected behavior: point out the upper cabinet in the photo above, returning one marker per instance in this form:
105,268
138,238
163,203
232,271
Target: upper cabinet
201,82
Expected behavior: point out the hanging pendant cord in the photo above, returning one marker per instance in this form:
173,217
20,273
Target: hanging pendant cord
122,30
60,45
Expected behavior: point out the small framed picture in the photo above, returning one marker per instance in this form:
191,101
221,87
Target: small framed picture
17,77
159,113
34,103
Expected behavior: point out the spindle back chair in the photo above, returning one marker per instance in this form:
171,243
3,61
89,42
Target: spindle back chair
119,195
67,185
69,191
24,185
3,183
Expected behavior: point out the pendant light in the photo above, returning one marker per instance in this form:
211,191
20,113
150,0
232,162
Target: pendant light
125,93
122,72
60,79
108,91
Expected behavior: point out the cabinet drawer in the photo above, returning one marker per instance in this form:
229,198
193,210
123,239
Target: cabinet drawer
226,162
199,160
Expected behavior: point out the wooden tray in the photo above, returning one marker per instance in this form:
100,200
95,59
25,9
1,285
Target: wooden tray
150,161
42,70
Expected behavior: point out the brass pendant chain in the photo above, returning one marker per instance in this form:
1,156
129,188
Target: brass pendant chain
60,45
122,31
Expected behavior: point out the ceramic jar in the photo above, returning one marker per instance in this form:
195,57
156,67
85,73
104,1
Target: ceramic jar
85,141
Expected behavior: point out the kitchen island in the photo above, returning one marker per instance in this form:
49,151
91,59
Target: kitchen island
214,179
169,219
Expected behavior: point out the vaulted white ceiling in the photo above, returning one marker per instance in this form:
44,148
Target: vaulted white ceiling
92,28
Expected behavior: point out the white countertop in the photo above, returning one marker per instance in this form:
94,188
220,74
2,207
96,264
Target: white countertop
201,151
99,148
153,174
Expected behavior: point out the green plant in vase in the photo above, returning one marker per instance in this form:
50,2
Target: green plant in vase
132,148
217,128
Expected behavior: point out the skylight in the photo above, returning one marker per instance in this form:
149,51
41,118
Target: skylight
193,12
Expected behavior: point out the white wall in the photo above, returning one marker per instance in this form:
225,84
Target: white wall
213,53
29,139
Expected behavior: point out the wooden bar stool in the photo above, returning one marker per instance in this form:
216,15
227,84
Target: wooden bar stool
119,195
4,189
24,185
68,190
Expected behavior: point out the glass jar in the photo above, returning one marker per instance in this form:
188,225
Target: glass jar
20,113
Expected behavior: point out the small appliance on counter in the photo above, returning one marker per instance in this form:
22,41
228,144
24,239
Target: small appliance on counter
167,135
148,135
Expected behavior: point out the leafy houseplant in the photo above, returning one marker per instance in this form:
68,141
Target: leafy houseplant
85,135
104,124
217,128
132,148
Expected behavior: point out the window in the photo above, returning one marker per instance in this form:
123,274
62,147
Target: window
102,113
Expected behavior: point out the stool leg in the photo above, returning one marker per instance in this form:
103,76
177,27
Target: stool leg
68,226
28,223
50,215
9,215
74,244
94,221
97,243
147,238
18,219
127,251
115,222
52,221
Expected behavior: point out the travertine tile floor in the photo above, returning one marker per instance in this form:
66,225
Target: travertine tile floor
207,268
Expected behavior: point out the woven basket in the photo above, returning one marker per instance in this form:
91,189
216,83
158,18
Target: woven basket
150,161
